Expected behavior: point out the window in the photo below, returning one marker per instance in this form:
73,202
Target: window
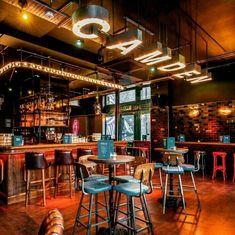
127,127
127,96
109,126
145,93
145,126
110,99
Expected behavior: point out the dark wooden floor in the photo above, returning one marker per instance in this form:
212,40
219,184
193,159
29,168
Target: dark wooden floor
216,217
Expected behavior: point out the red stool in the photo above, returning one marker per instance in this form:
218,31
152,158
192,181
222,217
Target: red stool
217,167
233,167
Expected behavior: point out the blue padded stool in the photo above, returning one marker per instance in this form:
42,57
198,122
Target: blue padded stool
173,170
192,169
143,185
91,188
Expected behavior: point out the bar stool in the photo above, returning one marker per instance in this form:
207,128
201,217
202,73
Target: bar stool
91,188
172,167
143,185
63,158
192,169
217,167
201,156
36,162
158,166
233,167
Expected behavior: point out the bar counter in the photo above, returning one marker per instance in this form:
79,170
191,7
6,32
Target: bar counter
210,147
12,188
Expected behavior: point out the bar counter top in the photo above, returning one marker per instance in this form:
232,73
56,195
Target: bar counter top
48,147
206,143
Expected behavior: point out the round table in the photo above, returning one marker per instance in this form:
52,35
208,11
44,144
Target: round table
172,153
119,159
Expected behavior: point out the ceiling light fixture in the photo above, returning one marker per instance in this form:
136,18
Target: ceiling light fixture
37,67
25,16
49,14
88,20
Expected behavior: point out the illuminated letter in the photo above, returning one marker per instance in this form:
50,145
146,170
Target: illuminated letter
172,67
152,58
126,41
126,47
77,27
203,78
189,72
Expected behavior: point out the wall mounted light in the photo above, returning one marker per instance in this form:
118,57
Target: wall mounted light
224,110
88,20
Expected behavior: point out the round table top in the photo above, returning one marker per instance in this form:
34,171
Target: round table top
177,150
120,159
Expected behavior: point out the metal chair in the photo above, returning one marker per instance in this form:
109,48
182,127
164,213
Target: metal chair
91,188
202,159
192,169
36,162
52,224
135,189
63,158
172,168
233,167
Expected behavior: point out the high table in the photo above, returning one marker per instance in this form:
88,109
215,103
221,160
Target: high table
120,159
180,152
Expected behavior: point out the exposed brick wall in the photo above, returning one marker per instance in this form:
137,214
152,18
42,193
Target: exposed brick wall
159,126
208,125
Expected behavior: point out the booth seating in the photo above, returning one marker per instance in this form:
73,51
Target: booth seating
217,166
63,166
138,187
90,188
35,162
53,223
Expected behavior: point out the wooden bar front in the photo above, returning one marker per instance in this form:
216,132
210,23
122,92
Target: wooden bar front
210,147
12,188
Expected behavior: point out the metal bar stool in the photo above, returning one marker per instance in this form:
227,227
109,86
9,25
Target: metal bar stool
91,188
233,167
137,188
33,162
201,155
192,169
63,158
216,167
173,168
